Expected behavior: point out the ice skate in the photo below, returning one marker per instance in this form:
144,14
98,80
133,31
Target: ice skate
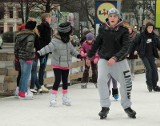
33,91
53,100
65,100
131,113
40,91
26,95
103,113
96,85
16,91
149,88
84,85
157,89
44,89
116,97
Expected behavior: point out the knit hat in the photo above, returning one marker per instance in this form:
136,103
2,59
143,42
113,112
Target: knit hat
114,11
90,36
31,25
85,30
65,28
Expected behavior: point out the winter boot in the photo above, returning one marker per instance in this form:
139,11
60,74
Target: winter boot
103,113
84,85
53,100
130,112
115,94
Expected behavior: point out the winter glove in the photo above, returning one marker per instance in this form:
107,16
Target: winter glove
79,56
95,60
36,56
82,54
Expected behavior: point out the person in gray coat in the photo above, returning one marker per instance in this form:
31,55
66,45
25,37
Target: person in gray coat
62,52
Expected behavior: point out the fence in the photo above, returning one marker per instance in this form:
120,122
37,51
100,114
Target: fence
8,74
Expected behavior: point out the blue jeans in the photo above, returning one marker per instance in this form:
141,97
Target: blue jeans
43,63
25,74
34,78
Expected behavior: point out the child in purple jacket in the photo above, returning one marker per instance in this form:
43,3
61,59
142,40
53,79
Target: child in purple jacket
84,50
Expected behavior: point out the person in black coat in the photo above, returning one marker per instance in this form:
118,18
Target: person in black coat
45,32
146,44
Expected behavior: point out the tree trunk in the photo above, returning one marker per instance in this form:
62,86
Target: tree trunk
22,14
27,10
48,6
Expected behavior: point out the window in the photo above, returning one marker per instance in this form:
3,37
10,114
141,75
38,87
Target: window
10,29
19,14
11,14
1,15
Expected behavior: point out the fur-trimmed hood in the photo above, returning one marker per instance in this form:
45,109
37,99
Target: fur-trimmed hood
24,33
120,23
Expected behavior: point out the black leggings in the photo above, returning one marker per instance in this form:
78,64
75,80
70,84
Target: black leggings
60,75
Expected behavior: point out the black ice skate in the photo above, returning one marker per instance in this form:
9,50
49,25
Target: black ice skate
156,88
149,88
131,113
103,113
84,85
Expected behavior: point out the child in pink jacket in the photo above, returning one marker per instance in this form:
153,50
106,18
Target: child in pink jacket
84,50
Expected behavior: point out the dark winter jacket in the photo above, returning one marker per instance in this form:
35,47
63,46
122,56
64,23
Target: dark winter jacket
140,45
132,36
45,32
24,45
111,42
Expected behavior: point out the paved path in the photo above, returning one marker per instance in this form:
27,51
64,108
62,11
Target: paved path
84,109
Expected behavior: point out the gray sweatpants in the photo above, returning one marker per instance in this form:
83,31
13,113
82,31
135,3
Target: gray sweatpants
119,71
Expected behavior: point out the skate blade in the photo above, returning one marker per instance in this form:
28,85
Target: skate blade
52,105
103,117
66,104
133,117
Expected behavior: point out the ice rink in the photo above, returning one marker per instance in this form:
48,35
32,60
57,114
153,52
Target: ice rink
84,109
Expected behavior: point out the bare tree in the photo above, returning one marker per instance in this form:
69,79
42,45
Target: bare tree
143,10
1,10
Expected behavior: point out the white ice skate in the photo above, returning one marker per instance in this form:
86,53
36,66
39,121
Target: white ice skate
65,100
16,91
53,100
84,85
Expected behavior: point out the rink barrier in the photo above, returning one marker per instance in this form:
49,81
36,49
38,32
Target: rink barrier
8,74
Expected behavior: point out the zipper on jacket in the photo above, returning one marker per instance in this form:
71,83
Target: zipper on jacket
59,60
67,53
